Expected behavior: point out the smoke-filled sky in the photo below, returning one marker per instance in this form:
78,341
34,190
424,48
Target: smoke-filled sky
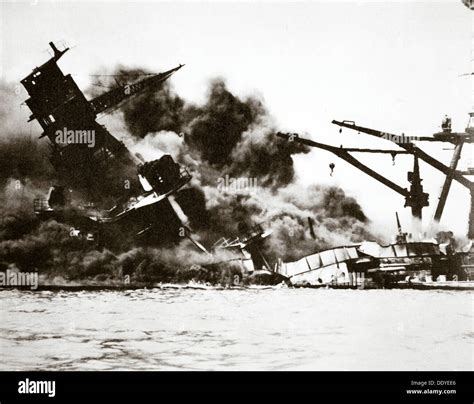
393,66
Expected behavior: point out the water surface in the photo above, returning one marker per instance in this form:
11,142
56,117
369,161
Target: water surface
270,329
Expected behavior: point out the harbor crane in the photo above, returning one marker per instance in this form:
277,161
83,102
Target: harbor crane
451,173
415,198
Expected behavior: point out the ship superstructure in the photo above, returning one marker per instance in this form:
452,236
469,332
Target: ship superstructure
121,193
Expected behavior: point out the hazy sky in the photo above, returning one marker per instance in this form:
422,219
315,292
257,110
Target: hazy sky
394,66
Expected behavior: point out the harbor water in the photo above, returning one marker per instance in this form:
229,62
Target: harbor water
249,329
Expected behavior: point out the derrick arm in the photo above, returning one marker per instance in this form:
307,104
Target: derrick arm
343,154
410,147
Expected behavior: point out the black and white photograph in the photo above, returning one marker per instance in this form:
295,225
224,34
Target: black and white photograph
234,186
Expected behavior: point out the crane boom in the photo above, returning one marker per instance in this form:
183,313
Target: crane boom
343,154
414,197
410,147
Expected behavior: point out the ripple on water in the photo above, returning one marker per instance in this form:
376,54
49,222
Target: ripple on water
274,329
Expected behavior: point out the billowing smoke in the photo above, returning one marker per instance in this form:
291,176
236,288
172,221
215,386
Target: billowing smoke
22,156
242,174
24,170
232,139
227,134
338,219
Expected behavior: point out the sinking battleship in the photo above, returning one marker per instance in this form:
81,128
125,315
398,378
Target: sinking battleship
103,172
108,195
123,197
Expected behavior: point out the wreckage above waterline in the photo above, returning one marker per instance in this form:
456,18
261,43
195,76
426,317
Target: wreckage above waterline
403,260
371,264
58,105
109,196
149,207
120,192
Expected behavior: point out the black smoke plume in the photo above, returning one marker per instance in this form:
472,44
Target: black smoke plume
225,137
235,137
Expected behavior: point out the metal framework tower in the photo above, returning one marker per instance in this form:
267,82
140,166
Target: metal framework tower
450,172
